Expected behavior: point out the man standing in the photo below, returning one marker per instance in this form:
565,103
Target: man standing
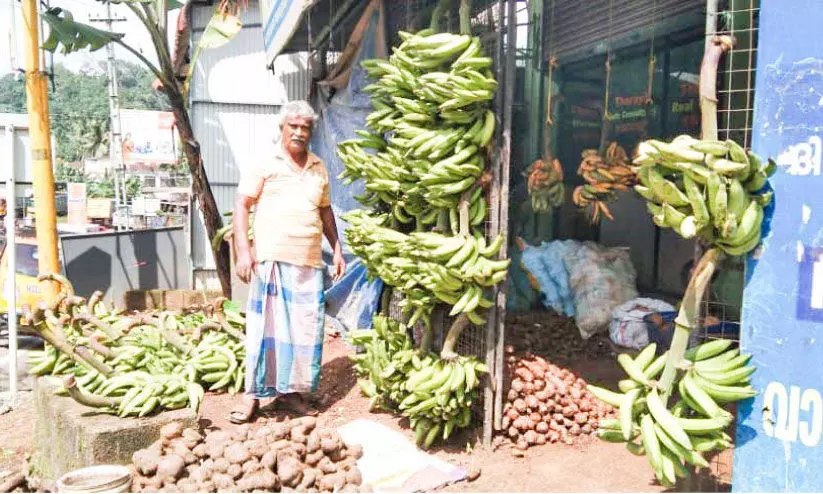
286,307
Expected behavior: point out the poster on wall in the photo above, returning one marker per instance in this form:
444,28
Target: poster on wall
149,137
779,440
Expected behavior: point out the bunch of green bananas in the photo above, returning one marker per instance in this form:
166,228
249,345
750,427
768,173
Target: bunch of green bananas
139,393
545,185
676,437
432,97
143,362
428,267
713,190
436,395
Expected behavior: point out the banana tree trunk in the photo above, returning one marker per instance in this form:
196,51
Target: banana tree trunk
201,187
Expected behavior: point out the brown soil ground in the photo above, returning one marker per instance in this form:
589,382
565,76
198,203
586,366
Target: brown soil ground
587,466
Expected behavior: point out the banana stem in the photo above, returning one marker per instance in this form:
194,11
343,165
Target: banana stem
687,317
112,333
465,17
463,209
171,336
438,12
428,338
443,221
79,354
93,401
708,84
385,299
450,342
227,328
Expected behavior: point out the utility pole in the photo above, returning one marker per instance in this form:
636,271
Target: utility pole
40,134
116,138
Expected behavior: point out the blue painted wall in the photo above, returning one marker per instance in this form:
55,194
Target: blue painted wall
779,432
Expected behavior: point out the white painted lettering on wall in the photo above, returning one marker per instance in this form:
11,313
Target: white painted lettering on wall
803,159
782,409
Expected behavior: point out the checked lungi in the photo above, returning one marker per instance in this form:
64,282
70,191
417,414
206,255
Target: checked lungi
284,329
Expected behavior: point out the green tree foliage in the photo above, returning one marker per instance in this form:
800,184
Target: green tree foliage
79,105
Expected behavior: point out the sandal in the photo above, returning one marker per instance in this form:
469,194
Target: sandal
297,404
244,411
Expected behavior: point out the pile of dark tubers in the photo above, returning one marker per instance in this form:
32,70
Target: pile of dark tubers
288,456
547,404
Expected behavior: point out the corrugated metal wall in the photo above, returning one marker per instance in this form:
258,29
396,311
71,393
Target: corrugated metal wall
234,102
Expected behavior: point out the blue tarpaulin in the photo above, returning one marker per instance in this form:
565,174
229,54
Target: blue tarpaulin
353,300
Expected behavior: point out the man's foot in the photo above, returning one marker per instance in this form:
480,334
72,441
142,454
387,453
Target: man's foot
298,404
244,411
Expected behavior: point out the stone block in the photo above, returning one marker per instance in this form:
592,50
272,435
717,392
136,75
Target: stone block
69,435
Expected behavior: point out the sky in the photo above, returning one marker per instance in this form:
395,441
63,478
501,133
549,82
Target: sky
11,34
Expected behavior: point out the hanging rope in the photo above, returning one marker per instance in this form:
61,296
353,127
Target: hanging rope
606,114
552,64
652,58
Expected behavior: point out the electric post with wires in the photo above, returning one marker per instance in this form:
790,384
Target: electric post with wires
116,157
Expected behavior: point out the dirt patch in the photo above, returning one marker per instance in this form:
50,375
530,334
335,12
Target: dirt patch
589,465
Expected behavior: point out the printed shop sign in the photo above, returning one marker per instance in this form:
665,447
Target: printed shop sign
803,159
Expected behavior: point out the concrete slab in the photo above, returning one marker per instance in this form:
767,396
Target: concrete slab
69,435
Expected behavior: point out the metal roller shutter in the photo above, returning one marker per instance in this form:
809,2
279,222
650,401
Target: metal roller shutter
585,23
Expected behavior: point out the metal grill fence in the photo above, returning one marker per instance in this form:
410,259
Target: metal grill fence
736,76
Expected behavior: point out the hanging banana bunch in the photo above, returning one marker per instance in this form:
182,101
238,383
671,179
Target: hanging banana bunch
545,185
605,175
435,395
713,190
676,438
423,163
427,267
432,99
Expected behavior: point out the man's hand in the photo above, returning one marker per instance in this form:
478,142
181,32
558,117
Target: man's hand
245,265
339,265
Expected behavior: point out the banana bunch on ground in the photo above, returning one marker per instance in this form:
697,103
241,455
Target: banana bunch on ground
674,438
436,395
605,175
428,267
431,99
139,363
714,190
545,185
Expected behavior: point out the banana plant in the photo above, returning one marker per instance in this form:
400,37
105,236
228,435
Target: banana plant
70,36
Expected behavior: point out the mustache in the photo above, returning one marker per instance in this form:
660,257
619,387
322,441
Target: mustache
298,139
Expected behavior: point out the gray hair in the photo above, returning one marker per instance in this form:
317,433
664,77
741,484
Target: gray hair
297,108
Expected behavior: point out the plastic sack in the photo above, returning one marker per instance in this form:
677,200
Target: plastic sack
628,327
601,279
545,263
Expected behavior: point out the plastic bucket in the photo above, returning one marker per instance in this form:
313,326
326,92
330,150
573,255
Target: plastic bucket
99,478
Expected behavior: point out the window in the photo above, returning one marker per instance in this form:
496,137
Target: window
27,260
